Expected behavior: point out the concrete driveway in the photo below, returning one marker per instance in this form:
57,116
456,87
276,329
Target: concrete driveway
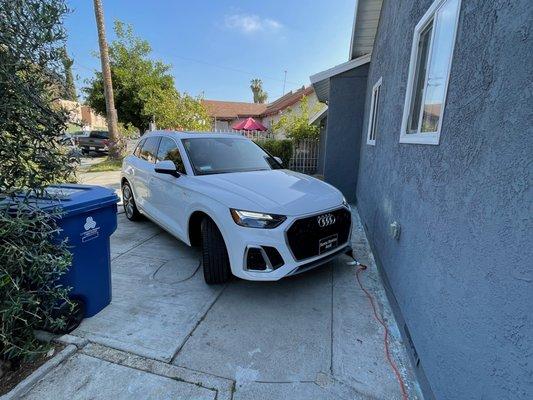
168,335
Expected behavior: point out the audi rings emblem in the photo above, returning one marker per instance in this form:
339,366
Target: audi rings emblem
325,220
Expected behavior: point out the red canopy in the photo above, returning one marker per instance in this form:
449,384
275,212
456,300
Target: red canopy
249,124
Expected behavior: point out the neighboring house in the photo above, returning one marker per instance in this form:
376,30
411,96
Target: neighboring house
226,113
429,130
83,116
289,102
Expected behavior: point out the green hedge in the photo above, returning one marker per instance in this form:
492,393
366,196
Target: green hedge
278,148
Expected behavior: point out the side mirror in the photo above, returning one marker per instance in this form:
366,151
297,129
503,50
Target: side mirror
278,160
166,167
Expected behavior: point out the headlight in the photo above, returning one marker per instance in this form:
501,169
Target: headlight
252,219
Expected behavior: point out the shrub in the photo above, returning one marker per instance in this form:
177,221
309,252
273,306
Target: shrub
30,264
295,122
32,42
278,148
128,131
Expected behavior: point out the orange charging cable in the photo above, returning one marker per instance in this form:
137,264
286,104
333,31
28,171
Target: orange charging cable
378,318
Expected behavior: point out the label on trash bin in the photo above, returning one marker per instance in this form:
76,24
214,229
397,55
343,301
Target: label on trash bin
91,230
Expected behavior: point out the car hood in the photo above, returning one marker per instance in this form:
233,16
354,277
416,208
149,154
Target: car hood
275,191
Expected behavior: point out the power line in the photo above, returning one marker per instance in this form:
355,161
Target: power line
229,68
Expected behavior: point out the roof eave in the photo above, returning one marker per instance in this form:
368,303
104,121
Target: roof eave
364,28
320,80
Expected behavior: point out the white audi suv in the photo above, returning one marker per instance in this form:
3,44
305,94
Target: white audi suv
252,218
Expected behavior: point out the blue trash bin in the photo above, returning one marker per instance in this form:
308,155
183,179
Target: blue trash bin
89,218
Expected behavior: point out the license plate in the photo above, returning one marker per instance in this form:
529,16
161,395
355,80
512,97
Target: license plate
328,243
92,148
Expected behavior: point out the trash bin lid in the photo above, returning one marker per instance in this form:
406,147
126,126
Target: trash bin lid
75,199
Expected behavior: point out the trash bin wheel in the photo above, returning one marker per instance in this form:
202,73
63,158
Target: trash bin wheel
130,208
215,258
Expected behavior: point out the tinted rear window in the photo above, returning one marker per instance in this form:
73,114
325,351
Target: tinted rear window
99,134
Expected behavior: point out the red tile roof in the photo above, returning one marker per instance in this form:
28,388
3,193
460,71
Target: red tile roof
288,100
234,109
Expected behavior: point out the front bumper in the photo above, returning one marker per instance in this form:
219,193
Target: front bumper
239,240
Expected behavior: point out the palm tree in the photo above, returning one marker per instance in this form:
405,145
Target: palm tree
115,148
260,96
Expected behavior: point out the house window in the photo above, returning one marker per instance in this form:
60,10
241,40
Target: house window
373,116
429,71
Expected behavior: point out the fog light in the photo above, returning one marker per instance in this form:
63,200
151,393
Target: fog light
264,258
255,260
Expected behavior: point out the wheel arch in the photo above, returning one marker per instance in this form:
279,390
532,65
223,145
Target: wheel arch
194,227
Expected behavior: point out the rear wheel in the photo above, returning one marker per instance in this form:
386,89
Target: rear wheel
130,208
214,254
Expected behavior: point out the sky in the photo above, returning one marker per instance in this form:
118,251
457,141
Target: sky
216,47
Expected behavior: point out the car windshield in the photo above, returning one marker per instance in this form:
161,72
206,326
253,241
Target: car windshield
223,155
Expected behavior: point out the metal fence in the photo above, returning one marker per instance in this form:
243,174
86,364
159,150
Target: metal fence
304,152
305,156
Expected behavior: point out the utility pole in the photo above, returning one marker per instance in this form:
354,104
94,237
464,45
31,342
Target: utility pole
284,82
115,148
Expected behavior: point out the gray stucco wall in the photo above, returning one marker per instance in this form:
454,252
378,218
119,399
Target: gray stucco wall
345,120
462,270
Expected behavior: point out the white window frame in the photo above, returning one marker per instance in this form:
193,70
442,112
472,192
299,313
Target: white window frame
372,119
426,137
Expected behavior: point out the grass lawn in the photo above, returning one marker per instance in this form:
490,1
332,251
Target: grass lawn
106,165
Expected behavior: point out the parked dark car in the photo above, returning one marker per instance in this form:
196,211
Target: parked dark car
94,141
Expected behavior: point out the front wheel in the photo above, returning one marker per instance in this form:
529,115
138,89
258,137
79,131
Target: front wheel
214,254
130,208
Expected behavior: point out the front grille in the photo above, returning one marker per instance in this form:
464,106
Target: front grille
305,234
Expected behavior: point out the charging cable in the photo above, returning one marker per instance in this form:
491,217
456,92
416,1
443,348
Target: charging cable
379,318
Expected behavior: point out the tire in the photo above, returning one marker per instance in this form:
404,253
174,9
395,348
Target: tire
130,208
215,258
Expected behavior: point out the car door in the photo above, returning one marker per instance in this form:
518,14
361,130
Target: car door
144,172
170,192
132,166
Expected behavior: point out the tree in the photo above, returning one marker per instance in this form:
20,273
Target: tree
295,123
32,42
69,89
116,146
144,89
260,96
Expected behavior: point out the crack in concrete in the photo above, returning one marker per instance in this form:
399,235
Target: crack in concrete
200,320
137,245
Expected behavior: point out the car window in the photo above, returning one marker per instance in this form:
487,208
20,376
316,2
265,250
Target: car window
149,149
137,151
99,134
168,150
223,155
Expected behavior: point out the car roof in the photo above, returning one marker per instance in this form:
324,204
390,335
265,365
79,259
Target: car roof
187,135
